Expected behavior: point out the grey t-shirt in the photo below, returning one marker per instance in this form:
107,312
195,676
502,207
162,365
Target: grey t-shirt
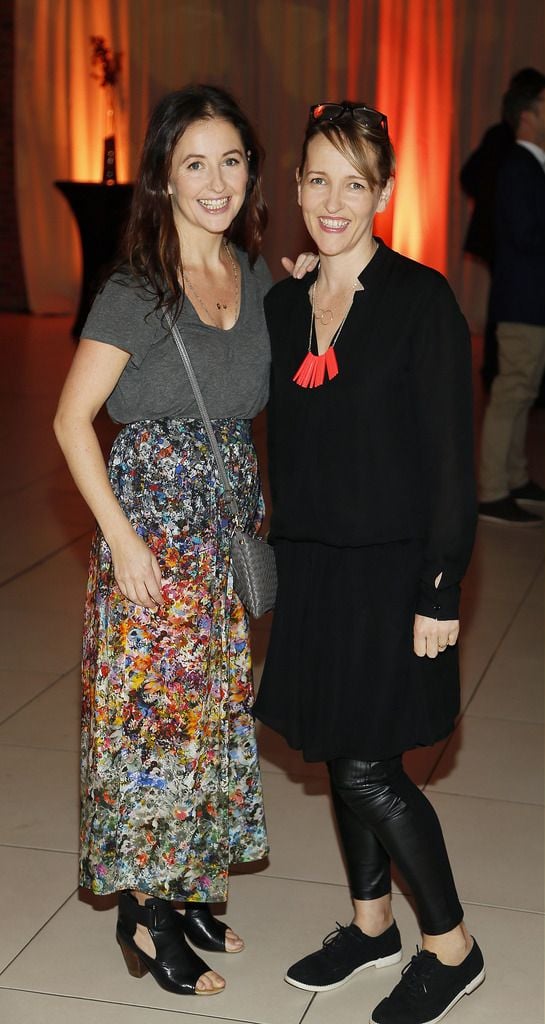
232,367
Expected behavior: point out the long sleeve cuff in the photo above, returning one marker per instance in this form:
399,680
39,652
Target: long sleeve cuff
440,603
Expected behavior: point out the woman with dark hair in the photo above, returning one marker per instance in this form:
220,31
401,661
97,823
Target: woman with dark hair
171,792
371,466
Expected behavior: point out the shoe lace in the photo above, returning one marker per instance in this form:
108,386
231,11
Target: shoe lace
332,940
417,973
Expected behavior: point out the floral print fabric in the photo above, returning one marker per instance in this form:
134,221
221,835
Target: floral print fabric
171,792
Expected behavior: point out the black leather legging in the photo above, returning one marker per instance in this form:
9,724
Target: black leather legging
383,816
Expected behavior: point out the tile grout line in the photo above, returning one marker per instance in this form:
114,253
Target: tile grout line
4,745
464,710
38,849
436,789
137,1006
478,796
40,929
46,558
400,892
284,878
503,636
495,718
31,700
314,994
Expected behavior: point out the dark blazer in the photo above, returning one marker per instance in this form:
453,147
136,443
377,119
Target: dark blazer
518,279
478,179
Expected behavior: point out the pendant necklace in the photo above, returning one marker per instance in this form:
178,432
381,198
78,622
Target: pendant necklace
219,305
325,316
314,368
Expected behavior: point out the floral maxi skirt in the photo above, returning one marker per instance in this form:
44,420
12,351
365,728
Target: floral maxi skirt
170,785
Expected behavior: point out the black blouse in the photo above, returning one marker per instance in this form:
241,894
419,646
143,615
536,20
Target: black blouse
384,451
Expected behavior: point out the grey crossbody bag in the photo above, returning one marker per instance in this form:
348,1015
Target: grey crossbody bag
254,566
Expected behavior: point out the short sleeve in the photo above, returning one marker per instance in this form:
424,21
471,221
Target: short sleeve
123,315
263,276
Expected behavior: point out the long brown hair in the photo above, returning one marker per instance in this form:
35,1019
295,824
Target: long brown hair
151,245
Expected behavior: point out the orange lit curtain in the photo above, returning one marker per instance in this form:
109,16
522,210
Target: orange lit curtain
437,67
416,91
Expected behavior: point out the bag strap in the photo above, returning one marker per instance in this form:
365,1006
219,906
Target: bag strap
229,493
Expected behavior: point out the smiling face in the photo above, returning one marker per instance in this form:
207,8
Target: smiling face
208,177
337,203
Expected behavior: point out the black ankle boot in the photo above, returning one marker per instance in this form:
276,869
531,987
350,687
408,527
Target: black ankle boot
203,929
175,967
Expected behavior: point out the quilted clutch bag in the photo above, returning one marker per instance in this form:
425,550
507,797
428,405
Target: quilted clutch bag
254,571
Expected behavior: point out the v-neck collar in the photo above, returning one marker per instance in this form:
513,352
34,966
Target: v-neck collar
368,274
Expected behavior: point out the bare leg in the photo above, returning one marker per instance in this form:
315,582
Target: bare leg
451,947
373,917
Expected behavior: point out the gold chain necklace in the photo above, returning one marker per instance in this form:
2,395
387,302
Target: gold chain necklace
219,305
325,316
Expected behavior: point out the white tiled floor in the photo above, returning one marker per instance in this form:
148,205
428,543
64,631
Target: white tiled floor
58,960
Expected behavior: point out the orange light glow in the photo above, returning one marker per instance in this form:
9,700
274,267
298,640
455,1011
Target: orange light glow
414,88
354,47
90,120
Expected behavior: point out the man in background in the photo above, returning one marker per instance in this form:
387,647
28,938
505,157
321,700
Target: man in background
478,179
517,305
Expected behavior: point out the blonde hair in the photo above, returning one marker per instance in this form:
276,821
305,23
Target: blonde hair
369,150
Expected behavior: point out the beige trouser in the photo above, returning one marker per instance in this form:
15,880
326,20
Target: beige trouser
521,354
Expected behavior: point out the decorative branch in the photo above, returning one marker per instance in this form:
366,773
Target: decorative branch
109,63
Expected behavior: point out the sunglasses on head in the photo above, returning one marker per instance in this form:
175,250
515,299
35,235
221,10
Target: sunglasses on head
367,116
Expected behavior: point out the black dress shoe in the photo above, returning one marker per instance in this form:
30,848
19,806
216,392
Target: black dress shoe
530,493
344,953
508,512
175,967
204,930
429,989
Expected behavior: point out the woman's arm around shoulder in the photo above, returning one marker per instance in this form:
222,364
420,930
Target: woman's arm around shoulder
93,375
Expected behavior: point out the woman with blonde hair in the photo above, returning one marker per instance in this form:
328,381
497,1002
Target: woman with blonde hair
371,464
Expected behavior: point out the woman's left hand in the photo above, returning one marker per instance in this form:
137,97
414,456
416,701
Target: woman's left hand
431,636
305,262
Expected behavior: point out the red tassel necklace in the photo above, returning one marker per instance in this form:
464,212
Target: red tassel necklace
315,368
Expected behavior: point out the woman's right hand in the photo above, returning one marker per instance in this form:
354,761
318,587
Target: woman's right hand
305,262
94,373
137,571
